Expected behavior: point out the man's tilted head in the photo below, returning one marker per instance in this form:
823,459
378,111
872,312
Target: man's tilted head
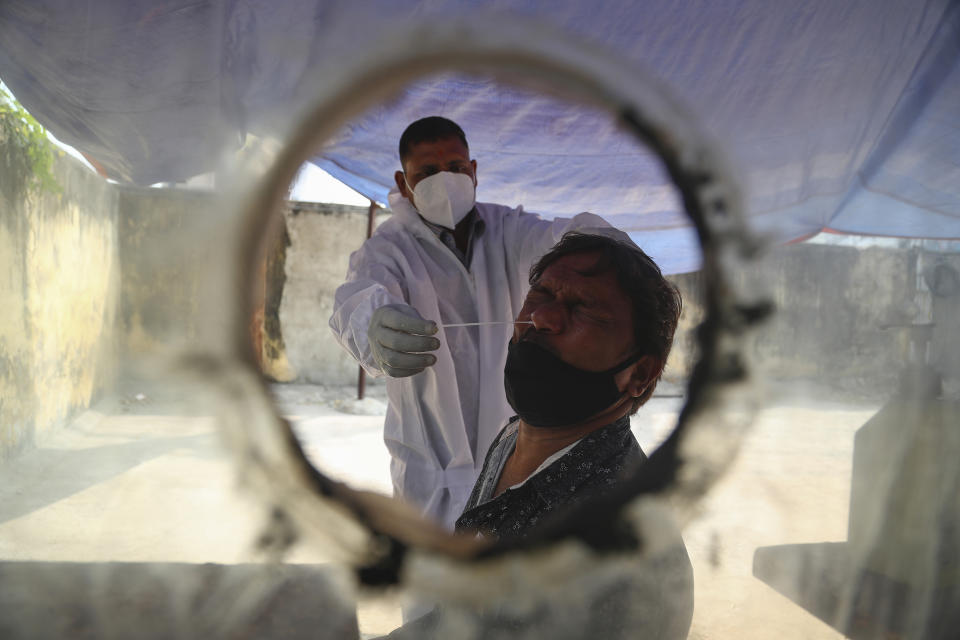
603,319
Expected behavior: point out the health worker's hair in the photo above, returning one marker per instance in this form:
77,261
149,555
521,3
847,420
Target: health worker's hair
429,129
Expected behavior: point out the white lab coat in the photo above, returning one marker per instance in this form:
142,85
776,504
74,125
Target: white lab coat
440,422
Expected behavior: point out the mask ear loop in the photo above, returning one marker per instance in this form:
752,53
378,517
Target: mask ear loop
626,363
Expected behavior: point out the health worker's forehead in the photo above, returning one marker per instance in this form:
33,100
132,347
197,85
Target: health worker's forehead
439,151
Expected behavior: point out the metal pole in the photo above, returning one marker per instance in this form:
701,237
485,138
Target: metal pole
362,376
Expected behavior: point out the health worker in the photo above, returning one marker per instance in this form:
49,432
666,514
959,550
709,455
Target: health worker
442,258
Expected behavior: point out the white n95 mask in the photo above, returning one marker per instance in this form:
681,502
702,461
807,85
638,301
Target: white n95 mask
445,198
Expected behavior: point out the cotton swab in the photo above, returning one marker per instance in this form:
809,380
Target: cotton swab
476,324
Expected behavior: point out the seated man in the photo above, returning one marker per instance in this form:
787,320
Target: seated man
588,348
601,322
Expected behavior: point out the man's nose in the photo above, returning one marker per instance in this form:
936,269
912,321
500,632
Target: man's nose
549,317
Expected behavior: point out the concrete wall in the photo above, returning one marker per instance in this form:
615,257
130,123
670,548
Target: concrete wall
98,267
942,271
90,277
841,315
162,265
59,280
322,237
840,310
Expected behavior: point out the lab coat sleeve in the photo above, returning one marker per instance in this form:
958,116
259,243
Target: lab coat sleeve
372,281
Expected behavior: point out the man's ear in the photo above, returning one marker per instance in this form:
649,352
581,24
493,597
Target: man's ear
473,163
642,373
402,186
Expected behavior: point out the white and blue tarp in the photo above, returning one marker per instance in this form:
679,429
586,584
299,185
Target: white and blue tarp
839,115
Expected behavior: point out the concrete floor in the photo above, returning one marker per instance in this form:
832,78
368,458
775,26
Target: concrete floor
131,480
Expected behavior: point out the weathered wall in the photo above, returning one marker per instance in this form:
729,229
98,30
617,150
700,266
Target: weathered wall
164,256
942,271
837,307
839,315
162,265
322,237
58,289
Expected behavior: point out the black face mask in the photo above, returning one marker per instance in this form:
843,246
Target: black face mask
545,391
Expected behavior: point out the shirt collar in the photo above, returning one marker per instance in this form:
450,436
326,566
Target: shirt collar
603,445
473,220
597,438
474,230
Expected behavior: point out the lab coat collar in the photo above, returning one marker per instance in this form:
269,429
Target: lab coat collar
405,213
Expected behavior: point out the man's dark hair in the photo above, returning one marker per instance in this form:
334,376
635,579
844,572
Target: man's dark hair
429,129
655,302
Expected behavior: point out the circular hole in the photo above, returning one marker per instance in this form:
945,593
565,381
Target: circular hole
384,537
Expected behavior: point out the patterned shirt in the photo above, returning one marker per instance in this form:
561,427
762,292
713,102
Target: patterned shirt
594,463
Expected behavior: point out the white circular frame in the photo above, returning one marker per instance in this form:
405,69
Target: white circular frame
377,532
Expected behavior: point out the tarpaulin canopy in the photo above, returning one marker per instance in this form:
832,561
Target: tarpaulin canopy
838,116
